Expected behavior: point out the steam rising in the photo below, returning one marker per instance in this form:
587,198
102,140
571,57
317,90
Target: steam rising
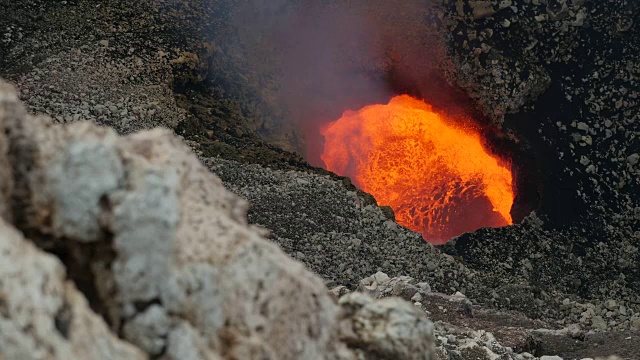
325,57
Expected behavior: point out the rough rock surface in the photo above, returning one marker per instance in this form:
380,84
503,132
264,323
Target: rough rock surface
584,130
165,254
320,222
464,330
114,63
385,329
6,177
42,314
148,198
72,63
334,231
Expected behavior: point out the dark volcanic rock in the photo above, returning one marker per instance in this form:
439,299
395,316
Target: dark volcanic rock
583,127
333,230
585,123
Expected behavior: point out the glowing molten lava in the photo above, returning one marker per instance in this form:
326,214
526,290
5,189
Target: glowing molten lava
437,177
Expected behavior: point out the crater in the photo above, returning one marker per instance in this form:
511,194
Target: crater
441,170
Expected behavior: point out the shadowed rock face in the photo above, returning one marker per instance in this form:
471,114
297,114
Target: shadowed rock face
6,178
582,125
172,264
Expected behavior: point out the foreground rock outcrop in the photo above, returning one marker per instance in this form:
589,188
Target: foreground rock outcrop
42,314
164,253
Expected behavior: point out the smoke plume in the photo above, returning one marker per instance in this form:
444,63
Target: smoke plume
325,57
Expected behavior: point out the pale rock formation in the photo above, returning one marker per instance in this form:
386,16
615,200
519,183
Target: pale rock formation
182,251
176,269
42,315
386,328
381,285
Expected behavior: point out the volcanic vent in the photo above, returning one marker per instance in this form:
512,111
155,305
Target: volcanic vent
435,173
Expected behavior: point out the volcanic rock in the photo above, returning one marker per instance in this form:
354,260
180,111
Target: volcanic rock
481,9
87,185
319,217
557,9
169,255
112,64
385,329
380,285
8,99
42,314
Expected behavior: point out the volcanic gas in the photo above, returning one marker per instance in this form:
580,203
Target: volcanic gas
435,174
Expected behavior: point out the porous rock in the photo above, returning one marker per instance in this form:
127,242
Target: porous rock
381,285
481,9
387,328
185,343
179,239
177,270
42,315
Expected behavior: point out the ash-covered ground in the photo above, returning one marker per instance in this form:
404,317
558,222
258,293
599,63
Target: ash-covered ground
559,77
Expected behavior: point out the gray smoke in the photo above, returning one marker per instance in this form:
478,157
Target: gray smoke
325,57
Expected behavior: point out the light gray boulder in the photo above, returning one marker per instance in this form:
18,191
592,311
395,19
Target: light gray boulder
177,269
387,328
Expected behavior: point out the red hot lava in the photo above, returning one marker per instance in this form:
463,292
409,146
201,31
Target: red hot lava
437,177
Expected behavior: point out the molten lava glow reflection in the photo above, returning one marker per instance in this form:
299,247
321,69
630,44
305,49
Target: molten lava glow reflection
437,177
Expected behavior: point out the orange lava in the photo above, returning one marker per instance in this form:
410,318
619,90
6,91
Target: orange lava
437,177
